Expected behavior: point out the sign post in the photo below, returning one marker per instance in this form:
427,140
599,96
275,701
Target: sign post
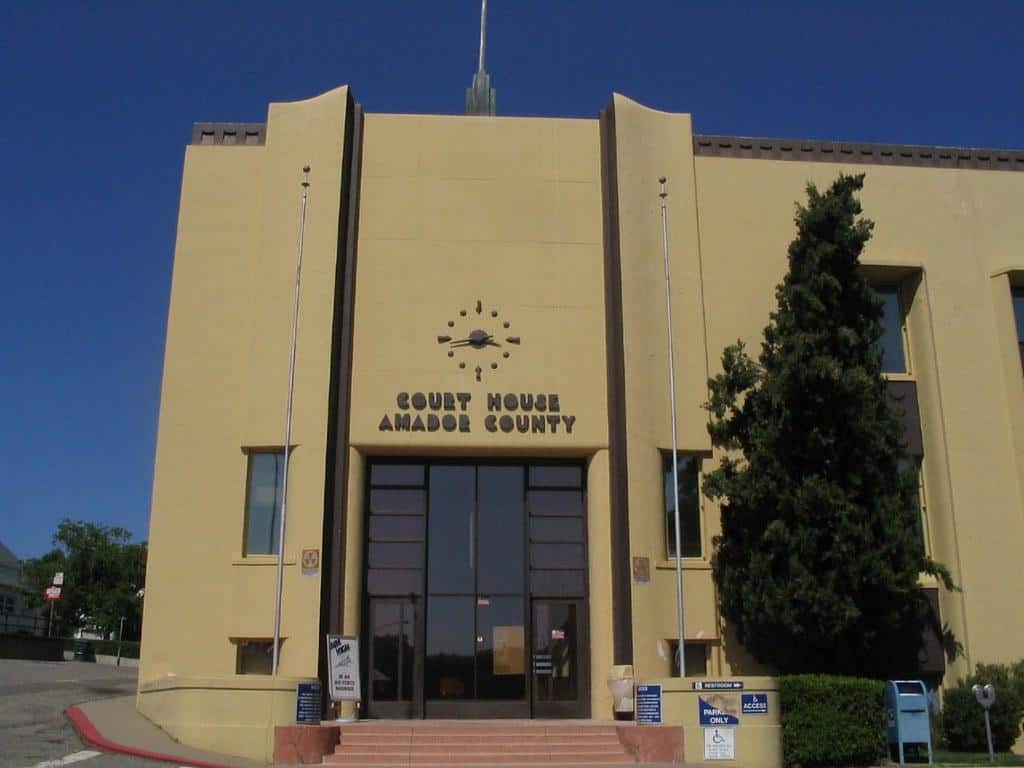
51,595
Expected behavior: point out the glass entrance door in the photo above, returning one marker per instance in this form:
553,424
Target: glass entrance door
559,688
475,644
475,589
394,665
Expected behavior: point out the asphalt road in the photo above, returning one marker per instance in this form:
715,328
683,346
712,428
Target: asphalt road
33,728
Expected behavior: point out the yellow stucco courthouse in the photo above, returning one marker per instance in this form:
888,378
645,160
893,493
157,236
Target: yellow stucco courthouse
477,480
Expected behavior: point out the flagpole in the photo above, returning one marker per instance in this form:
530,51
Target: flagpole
675,447
288,426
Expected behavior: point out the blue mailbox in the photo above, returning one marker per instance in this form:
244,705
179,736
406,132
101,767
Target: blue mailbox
906,717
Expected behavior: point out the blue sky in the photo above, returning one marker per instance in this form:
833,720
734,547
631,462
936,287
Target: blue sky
97,101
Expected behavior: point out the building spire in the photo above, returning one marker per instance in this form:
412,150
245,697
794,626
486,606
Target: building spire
480,95
483,35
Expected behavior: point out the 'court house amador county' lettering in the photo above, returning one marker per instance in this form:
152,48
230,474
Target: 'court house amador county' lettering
523,413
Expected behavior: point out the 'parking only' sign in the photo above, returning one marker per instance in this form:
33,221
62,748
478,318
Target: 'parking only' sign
718,710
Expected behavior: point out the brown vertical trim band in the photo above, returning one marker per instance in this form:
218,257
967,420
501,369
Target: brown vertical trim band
902,398
622,601
339,402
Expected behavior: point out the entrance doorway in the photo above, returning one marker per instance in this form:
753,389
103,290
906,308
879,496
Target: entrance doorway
475,590
557,657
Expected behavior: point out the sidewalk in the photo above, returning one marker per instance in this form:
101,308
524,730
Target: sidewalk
115,725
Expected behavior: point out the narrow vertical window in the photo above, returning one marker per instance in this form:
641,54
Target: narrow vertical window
263,502
689,505
890,345
913,465
1018,313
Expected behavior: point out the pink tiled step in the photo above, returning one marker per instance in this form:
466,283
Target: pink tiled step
439,743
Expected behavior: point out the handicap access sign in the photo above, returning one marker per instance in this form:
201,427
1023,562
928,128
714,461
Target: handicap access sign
754,703
715,714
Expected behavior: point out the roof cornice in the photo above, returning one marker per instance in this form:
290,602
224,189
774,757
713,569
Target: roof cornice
809,150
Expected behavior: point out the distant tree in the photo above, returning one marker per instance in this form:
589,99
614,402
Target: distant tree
818,561
103,573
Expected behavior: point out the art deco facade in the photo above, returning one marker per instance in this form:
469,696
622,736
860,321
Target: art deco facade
481,412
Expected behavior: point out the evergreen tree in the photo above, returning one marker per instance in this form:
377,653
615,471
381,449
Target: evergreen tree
818,561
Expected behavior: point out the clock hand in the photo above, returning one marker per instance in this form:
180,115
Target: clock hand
476,338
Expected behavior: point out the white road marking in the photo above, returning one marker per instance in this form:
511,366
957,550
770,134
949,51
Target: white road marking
74,757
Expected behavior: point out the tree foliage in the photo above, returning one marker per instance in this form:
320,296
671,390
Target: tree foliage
818,561
103,574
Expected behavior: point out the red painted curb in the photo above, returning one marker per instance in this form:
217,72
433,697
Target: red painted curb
90,735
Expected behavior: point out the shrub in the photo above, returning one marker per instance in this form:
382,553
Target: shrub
829,720
963,719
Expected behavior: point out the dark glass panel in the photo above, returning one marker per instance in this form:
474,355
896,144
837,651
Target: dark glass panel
394,582
555,666
910,465
689,505
396,528
387,633
557,556
450,529
393,633
396,474
500,648
1018,312
263,502
556,503
555,476
556,529
451,646
392,555
891,343
397,502
557,583
500,521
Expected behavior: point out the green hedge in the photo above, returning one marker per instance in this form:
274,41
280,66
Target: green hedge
829,721
963,719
